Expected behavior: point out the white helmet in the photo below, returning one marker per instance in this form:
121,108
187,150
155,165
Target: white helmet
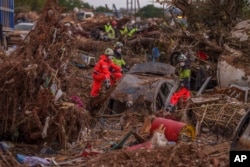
118,44
109,52
182,57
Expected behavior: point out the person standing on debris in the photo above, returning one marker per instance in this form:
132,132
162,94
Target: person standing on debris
155,54
184,76
118,59
114,26
123,31
105,70
109,31
132,29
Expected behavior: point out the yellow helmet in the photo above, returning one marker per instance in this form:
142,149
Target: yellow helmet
118,44
109,52
182,57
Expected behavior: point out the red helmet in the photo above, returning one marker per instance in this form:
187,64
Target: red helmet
114,23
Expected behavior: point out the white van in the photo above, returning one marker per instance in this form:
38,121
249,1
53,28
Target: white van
84,15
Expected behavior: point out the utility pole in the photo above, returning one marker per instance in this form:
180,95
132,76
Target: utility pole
129,6
133,6
138,4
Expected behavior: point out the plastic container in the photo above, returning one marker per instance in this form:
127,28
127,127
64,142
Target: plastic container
172,128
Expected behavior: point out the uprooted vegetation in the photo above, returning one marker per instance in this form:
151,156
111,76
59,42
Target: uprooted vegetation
32,77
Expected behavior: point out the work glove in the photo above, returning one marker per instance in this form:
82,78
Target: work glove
107,83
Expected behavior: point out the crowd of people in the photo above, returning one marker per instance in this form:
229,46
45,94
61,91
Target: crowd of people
111,31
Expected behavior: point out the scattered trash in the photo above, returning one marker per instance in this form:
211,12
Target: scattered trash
77,100
37,76
145,145
59,94
90,151
32,161
4,146
47,150
159,138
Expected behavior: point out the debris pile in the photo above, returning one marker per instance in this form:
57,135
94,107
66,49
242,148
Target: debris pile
45,94
224,116
183,154
34,89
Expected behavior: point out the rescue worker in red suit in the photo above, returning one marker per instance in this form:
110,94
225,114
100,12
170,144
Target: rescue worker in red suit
184,76
105,70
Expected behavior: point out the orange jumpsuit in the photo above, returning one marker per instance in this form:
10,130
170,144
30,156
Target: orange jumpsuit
182,92
104,69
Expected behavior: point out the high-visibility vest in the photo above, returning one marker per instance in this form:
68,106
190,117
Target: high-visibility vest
110,31
185,73
131,32
124,31
119,62
107,28
185,76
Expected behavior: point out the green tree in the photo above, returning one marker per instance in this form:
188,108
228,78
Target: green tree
101,9
213,13
150,11
29,5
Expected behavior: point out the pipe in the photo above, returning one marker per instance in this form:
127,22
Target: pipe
204,85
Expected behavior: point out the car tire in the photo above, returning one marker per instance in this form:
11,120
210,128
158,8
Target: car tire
173,58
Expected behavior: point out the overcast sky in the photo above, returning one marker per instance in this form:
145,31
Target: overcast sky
118,3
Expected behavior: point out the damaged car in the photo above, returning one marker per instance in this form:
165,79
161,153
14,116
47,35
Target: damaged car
20,32
147,86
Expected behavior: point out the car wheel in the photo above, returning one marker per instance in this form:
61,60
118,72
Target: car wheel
173,58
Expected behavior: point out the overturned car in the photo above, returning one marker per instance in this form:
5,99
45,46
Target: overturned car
147,86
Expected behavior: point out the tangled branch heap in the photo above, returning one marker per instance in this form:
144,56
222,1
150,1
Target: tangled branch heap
30,80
